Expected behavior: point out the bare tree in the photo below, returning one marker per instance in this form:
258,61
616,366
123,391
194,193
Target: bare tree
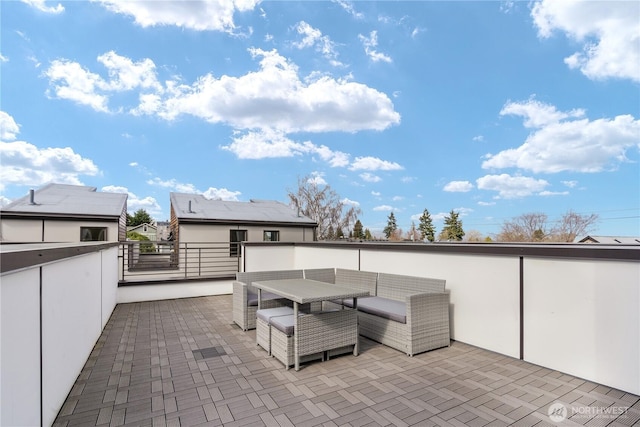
474,236
322,204
534,227
413,234
572,225
530,227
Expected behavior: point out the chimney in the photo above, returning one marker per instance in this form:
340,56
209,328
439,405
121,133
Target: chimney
32,197
190,211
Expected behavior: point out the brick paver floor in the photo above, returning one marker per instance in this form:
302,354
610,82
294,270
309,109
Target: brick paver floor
184,363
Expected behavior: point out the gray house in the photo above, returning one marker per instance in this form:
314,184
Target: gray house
65,213
611,240
195,218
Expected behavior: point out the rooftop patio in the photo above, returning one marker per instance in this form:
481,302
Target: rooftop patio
534,328
183,362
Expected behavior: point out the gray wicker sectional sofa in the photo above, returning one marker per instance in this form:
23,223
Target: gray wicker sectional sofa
245,296
408,313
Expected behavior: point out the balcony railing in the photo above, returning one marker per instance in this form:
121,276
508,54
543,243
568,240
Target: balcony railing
152,261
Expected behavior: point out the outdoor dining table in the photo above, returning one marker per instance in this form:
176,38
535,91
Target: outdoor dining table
303,291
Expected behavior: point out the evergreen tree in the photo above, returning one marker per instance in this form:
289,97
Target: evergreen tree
391,227
339,234
427,230
367,234
140,217
452,227
358,233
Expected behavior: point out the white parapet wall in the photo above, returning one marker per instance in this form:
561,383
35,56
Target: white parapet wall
55,303
582,317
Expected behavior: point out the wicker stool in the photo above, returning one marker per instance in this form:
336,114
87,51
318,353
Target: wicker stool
282,342
263,326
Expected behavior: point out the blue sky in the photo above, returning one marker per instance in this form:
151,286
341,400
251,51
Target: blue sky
491,109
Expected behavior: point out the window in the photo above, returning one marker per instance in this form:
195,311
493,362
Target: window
235,237
93,234
271,236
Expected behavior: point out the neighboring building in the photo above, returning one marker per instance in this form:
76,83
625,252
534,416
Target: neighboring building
611,240
163,230
195,218
150,231
65,213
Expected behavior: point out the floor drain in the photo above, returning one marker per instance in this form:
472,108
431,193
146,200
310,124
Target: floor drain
208,353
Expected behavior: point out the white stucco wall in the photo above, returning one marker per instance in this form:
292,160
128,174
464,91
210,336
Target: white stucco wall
20,348
64,305
20,230
220,233
582,317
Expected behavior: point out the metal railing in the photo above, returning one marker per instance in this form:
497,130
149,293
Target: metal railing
154,261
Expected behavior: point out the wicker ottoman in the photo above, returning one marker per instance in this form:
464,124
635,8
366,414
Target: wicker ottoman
263,326
282,342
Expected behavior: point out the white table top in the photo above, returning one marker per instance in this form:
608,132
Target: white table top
304,291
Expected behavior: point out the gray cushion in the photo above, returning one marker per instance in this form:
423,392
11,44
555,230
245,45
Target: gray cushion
383,307
348,302
283,324
252,299
267,313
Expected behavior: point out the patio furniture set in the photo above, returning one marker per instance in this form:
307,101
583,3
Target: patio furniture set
304,315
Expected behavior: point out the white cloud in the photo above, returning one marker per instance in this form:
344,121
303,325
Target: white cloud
25,164
348,7
557,145
174,185
481,203
3,58
71,81
375,193
42,7
221,194
397,198
458,186
200,15
609,32
211,193
370,43
383,208
316,178
407,179
373,164
312,37
570,184
478,138
268,143
349,202
369,177
547,193
9,129
276,98
271,98
124,74
511,187
134,203
538,114
4,201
